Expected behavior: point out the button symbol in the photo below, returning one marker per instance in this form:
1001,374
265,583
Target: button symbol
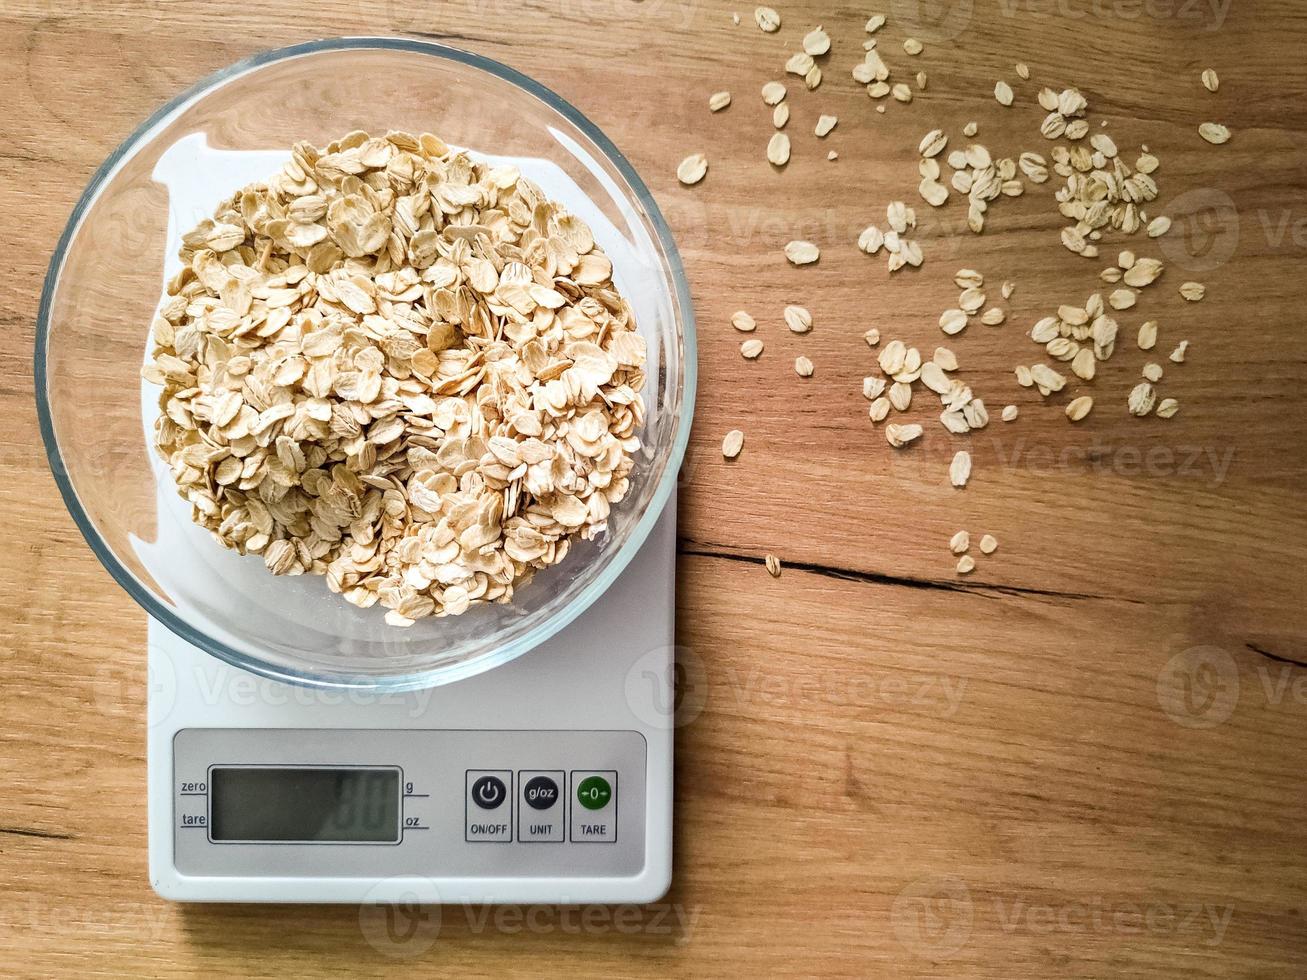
488,792
594,792
541,792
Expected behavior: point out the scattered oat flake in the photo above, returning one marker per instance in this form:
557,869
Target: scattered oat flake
743,322
1147,334
1167,407
1210,81
1010,413
966,565
1159,226
1023,71
874,23
719,101
952,322
816,42
932,192
825,124
798,319
988,544
933,143
832,155
767,19
1193,291
692,169
1003,92
1141,399
773,93
1214,133
899,436
778,150
959,543
872,337
732,444
1122,299
912,46
801,252
780,115
959,471
1152,372
1078,408
799,63
751,348
1178,355
773,566
900,395
803,367
970,129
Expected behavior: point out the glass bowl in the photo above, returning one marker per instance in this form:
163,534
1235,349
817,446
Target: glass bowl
106,278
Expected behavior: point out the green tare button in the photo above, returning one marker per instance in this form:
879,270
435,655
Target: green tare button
594,792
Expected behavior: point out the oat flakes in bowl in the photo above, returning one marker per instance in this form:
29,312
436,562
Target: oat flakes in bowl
401,368
98,416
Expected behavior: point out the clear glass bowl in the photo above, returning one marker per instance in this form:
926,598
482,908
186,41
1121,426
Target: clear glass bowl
108,272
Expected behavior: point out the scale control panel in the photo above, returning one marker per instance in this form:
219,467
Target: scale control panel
541,806
331,802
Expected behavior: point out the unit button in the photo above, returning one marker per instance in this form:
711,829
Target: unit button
594,817
489,808
541,820
540,792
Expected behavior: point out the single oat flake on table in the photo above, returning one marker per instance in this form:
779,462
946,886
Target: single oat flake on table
400,368
692,169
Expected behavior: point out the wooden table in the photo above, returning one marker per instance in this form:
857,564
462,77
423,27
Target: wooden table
1085,758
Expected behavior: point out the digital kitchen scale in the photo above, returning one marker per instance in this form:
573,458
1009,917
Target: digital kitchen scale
546,779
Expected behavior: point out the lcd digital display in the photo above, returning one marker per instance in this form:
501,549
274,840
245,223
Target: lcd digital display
266,804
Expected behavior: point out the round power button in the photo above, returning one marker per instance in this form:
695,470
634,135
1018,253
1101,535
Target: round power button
488,792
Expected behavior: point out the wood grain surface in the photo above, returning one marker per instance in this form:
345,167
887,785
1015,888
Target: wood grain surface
1085,759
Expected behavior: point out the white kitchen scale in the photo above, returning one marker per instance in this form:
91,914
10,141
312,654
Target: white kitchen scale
547,779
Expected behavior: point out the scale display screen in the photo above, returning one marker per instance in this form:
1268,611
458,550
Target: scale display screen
265,804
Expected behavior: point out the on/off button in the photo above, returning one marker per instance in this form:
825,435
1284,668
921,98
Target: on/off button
489,807
488,792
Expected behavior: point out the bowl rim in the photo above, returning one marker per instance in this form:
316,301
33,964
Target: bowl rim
418,679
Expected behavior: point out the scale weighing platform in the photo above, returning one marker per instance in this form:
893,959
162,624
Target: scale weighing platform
547,779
